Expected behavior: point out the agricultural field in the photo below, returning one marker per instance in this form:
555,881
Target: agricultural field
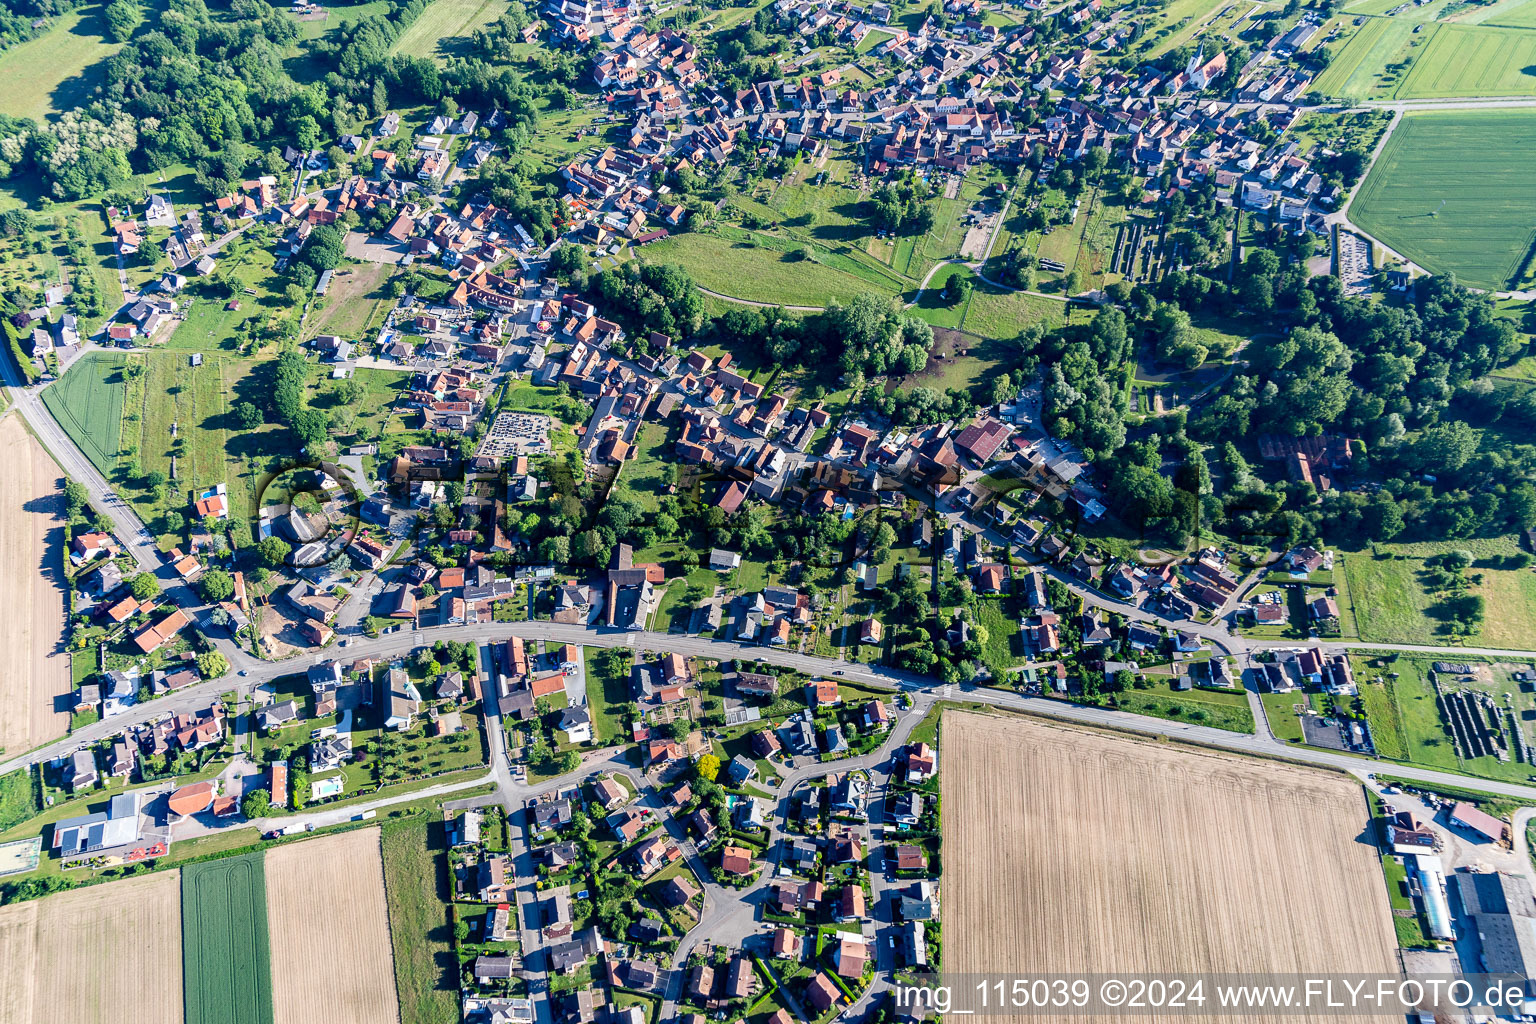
433,32
54,72
1419,200
103,955
88,403
1121,891
225,953
32,558
1471,60
1391,604
325,904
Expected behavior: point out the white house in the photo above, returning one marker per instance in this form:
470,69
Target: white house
576,723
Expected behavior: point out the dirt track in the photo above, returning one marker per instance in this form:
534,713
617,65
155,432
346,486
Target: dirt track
31,560
109,954
325,905
1072,851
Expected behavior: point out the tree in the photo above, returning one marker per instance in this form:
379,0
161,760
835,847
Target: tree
679,729
274,550
216,585
122,17
212,665
325,248
957,289
255,804
145,586
306,132
555,550
311,427
76,499
708,767
247,415
567,259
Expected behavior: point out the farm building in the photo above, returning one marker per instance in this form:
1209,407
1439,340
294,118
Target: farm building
1465,815
1503,910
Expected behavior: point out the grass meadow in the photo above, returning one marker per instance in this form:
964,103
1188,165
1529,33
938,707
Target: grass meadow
1391,604
416,890
757,272
1218,710
1420,200
55,71
444,21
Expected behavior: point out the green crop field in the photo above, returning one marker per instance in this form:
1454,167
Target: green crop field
54,72
88,403
1420,200
1471,60
445,20
224,947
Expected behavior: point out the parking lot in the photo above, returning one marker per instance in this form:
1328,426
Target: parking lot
1354,262
516,433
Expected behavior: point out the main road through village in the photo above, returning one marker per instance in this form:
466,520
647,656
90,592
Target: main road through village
924,690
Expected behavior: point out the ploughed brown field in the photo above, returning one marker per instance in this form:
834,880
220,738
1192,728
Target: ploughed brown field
1071,851
108,954
331,957
32,572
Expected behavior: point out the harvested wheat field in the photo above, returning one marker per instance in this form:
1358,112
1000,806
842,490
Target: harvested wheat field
1070,851
31,567
108,954
325,905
